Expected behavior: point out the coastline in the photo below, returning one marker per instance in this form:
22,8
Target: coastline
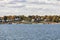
30,19
31,23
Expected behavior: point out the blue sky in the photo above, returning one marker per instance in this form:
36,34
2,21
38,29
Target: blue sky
29,7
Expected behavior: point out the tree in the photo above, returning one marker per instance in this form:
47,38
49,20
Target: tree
5,18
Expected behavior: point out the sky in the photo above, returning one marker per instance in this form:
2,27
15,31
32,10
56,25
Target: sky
29,7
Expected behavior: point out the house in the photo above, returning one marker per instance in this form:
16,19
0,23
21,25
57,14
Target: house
9,20
37,20
46,20
32,20
17,18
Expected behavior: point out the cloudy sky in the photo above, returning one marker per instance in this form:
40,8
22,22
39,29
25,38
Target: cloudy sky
29,7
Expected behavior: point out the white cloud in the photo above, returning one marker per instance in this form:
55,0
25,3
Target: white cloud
29,7
5,1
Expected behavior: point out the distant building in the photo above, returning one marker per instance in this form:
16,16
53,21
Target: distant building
23,21
37,20
32,20
17,19
46,20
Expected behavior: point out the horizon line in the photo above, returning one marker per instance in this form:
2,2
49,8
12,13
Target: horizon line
29,15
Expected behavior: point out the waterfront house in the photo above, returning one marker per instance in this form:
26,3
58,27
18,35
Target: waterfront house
46,20
32,20
37,19
17,18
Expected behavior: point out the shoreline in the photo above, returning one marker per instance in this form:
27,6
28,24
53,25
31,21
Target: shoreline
30,19
31,23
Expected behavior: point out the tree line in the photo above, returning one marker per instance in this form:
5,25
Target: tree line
35,19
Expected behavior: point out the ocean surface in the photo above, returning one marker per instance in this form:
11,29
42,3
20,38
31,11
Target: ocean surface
29,31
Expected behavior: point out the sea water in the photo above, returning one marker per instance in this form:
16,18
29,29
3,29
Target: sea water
29,31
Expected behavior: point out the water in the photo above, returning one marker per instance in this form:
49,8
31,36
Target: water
30,32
